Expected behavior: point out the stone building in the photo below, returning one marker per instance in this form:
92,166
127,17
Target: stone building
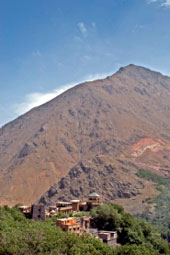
35,212
38,212
108,237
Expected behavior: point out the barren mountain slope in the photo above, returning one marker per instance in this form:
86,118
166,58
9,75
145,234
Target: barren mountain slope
103,119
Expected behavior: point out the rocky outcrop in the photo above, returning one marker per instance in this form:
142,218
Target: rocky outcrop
86,178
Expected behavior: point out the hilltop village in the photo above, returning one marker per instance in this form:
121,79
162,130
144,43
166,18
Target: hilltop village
77,225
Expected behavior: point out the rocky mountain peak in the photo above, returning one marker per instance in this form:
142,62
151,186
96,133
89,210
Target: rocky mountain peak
96,123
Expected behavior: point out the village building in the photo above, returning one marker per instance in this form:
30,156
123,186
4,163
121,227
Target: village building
85,222
69,225
75,225
83,206
51,208
64,207
35,212
108,237
83,225
52,211
38,212
78,225
77,205
94,199
26,210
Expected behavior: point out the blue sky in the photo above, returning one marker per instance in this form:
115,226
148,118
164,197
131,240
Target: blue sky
47,46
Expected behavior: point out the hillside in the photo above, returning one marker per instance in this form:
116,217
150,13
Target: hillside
94,136
23,236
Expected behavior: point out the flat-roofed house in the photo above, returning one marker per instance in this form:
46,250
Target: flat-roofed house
108,237
60,204
69,225
64,207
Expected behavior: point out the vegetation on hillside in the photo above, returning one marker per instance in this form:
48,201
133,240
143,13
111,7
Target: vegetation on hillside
161,217
21,236
133,234
150,176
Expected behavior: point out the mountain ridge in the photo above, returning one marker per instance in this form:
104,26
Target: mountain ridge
85,82
99,118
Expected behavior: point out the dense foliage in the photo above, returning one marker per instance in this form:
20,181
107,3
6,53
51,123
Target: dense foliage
133,234
21,236
161,216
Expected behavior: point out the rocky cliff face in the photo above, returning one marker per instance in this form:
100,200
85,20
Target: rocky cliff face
108,180
50,149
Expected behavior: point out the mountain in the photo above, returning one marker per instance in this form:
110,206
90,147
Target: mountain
93,137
